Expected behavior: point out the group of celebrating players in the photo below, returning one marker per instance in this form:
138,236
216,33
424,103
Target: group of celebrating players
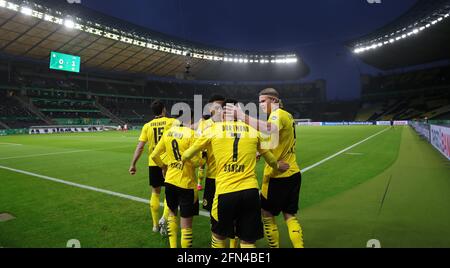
227,144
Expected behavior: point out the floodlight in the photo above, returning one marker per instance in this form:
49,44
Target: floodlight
26,11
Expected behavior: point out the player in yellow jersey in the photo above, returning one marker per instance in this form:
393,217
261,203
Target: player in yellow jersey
236,209
280,190
208,171
180,182
202,169
151,134
215,106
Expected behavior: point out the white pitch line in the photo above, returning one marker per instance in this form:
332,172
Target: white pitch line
354,153
11,144
341,152
145,201
36,155
82,186
58,153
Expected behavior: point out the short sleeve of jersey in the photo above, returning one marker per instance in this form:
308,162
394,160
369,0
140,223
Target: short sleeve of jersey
144,137
276,118
261,139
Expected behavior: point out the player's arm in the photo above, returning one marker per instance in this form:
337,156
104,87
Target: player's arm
200,144
136,156
139,149
197,160
272,161
266,127
156,154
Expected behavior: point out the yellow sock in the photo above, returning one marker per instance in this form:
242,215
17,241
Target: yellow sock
295,232
154,208
247,245
271,232
217,243
234,242
186,238
166,210
172,231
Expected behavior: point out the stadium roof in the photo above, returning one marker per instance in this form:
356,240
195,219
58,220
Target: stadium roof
421,35
33,29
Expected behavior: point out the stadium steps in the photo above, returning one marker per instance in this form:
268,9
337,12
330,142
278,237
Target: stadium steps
5,126
389,112
108,113
437,112
364,114
28,105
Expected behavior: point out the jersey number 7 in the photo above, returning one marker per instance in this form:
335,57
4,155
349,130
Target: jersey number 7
237,137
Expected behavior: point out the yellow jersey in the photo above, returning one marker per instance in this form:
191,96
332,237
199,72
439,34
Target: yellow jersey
210,159
234,146
286,147
174,143
152,133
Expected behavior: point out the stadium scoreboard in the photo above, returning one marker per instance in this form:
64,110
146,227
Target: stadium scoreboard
64,62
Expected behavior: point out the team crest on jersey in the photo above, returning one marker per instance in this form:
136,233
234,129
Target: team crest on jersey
274,117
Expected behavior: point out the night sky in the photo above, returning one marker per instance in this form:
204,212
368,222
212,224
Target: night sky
316,29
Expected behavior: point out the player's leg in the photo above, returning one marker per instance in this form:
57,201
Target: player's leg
186,232
172,229
201,173
200,176
248,225
163,220
234,242
271,200
271,232
156,182
295,230
218,241
222,219
172,203
208,194
189,207
154,207
247,244
290,209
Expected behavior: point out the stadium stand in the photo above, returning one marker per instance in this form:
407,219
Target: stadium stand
14,115
412,95
104,98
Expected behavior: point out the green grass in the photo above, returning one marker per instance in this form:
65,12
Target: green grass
48,214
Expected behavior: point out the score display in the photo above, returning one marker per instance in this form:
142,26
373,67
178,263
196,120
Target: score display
64,62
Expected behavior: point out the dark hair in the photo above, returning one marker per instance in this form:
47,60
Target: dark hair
157,107
190,119
216,98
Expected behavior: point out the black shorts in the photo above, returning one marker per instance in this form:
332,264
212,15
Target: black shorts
239,214
283,195
208,194
155,175
184,199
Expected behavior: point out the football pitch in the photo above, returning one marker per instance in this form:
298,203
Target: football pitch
359,183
